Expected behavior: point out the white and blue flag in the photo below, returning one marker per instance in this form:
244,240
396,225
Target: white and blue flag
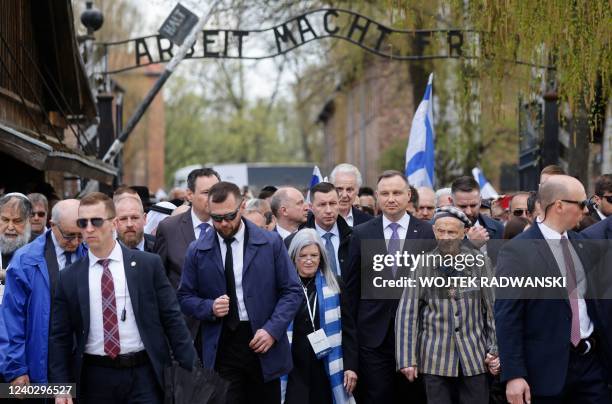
420,151
314,180
486,189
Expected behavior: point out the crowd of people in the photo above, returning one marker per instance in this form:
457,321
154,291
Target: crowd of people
274,293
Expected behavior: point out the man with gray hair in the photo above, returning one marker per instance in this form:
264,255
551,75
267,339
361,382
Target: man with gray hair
347,180
30,287
443,197
262,206
15,227
40,213
290,209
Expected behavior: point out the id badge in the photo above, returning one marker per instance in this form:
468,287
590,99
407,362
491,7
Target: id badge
319,343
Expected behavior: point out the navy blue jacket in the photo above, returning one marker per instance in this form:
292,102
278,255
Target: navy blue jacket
271,289
533,332
373,316
599,231
158,317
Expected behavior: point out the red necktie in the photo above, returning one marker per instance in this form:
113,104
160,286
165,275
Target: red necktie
572,288
112,346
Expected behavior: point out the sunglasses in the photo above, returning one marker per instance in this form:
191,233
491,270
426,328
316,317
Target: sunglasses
95,222
39,214
69,236
581,204
518,212
228,216
268,216
606,197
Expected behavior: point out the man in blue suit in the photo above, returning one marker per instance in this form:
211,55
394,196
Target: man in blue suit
374,308
239,281
31,279
547,337
115,318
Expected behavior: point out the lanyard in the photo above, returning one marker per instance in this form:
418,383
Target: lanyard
311,313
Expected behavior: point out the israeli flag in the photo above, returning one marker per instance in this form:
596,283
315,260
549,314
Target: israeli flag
420,151
486,189
314,180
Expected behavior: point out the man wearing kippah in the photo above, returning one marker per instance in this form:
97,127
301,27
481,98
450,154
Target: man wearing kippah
457,344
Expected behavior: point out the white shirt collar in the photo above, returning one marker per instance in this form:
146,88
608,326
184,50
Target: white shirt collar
141,245
195,219
115,255
551,234
284,233
601,215
334,230
239,236
403,222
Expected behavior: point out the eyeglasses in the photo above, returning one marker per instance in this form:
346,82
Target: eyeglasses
581,204
95,222
39,214
518,212
69,236
228,216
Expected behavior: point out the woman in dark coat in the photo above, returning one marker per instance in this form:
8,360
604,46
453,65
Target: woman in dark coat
322,379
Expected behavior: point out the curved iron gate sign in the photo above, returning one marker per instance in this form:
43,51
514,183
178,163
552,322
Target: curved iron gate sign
312,25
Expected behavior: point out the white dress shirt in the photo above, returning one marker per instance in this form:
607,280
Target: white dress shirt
284,233
349,218
335,241
553,237
196,223
238,259
401,231
59,253
129,336
140,245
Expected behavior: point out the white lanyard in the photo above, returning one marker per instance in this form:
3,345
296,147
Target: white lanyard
311,313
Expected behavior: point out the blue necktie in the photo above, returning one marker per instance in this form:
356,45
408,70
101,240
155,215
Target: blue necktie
394,244
331,253
203,227
68,255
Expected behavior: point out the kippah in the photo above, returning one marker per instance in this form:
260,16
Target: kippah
451,211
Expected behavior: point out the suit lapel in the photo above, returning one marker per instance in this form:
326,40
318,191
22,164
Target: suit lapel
187,228
83,291
130,266
51,260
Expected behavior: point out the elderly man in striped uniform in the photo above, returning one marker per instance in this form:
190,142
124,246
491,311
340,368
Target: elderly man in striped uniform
446,332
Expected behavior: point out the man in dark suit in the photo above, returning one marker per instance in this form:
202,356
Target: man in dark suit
547,336
330,226
465,193
130,222
347,180
174,234
374,310
115,318
241,284
602,198
31,280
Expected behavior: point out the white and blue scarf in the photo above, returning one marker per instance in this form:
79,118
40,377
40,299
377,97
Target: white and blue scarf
328,301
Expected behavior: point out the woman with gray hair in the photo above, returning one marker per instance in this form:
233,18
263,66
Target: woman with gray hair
323,335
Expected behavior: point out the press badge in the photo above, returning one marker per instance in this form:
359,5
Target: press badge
319,343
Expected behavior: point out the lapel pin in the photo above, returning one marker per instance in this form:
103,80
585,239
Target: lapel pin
133,264
579,245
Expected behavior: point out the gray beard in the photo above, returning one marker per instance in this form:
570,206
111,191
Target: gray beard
8,246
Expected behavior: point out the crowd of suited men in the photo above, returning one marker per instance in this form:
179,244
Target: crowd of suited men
105,292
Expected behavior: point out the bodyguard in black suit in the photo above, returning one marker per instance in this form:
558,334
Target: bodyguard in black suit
547,337
330,226
375,308
115,318
130,222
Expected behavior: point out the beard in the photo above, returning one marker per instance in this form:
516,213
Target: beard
9,245
132,240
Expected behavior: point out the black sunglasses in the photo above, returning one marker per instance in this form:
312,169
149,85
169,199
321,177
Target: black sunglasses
606,197
69,236
581,204
518,212
95,222
228,216
39,214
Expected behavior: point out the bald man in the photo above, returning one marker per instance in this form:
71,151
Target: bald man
30,285
290,210
546,336
427,203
